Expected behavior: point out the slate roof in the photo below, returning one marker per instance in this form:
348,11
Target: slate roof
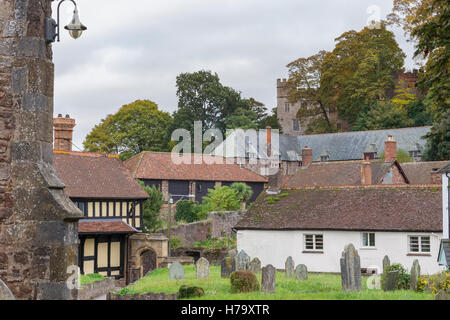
338,173
350,145
104,226
444,252
160,166
420,172
412,209
96,176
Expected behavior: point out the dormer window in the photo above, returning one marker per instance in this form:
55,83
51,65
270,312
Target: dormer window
325,156
370,152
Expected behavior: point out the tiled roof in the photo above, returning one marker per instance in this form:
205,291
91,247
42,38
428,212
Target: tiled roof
374,208
336,173
96,176
420,172
104,226
160,166
351,145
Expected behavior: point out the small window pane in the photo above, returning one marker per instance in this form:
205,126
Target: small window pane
414,244
425,243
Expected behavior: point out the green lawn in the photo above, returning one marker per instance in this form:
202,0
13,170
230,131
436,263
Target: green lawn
90,278
317,287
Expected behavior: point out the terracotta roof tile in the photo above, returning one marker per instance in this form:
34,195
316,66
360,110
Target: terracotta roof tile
349,208
96,176
420,172
160,166
104,226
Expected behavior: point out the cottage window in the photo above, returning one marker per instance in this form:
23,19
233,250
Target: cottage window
295,125
313,242
419,244
287,107
368,240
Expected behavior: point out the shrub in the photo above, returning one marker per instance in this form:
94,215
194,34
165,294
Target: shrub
185,211
434,283
175,242
403,278
211,244
186,292
90,278
243,281
221,199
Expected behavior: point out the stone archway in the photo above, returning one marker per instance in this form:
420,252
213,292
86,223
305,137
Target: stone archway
148,261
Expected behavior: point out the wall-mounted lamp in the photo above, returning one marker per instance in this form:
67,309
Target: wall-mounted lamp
75,27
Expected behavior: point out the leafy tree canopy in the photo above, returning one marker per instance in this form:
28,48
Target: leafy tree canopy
152,208
136,127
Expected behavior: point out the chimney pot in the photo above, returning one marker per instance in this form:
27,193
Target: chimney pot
390,149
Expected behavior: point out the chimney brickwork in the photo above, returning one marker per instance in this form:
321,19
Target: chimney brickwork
390,149
63,128
307,157
366,173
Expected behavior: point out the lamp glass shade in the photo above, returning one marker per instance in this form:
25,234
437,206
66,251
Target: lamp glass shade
75,27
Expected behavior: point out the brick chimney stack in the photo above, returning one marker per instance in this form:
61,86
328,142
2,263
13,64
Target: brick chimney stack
390,149
366,172
269,140
307,158
63,132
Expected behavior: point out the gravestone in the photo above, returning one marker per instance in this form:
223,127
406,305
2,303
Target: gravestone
268,279
415,274
5,293
227,267
442,295
242,260
176,271
391,281
232,253
255,265
350,269
301,272
386,263
202,268
289,267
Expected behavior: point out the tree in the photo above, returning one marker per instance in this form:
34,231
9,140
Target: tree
243,192
242,119
136,127
151,208
271,120
359,70
221,199
402,156
438,141
383,115
409,14
186,211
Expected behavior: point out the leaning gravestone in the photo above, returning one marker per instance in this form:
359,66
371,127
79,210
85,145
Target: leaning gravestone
202,268
386,263
227,267
255,266
289,267
176,271
415,274
391,281
350,269
242,260
268,279
301,272
5,293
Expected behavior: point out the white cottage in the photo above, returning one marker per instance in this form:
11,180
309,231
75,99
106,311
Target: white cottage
444,252
313,225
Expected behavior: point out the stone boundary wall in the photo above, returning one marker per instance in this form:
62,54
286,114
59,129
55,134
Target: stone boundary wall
144,296
214,257
95,289
217,225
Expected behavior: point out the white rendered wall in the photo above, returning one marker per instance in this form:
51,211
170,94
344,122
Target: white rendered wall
445,205
273,247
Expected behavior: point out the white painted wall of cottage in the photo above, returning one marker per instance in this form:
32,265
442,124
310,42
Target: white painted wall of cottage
273,247
445,205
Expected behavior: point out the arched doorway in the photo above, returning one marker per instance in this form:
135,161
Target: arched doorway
148,261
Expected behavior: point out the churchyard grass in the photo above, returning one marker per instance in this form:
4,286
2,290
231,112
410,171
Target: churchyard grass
317,287
90,278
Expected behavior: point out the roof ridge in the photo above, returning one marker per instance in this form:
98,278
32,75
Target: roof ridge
372,186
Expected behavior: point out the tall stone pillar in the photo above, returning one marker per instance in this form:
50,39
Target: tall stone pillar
38,223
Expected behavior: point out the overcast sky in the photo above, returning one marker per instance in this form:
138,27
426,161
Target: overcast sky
135,49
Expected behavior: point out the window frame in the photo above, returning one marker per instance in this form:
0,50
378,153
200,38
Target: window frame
368,246
314,235
420,244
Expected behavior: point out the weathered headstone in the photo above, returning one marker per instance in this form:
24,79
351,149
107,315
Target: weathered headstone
176,271
232,253
391,281
5,293
386,263
415,274
255,265
350,269
227,267
301,272
268,279
442,295
242,260
202,268
289,267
